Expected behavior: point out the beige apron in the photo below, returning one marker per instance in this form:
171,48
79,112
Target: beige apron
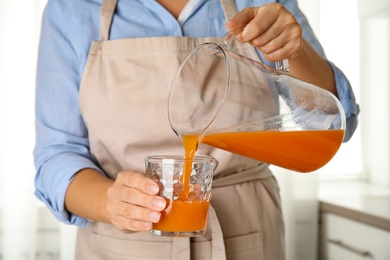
123,100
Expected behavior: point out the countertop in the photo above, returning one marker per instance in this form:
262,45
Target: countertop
357,200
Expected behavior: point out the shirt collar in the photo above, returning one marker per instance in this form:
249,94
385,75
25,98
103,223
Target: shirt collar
188,10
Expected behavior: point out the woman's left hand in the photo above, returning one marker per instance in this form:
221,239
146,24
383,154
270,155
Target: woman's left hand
271,28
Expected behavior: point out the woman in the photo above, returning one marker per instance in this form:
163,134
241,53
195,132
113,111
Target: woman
101,108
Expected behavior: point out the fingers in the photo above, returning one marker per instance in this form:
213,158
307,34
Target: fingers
275,50
271,28
127,226
132,204
265,21
134,196
130,217
287,44
237,24
138,181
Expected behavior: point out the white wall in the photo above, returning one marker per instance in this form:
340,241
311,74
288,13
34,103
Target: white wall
375,79
336,24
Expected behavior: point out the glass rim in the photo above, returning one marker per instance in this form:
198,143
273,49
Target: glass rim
179,158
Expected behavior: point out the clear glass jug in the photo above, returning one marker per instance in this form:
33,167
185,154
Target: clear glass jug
222,98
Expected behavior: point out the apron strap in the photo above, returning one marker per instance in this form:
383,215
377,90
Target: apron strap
217,243
229,8
106,14
108,8
181,247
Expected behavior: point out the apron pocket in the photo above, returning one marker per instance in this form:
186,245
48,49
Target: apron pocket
124,249
248,247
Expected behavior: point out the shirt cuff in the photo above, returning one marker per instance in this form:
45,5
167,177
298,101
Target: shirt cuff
53,180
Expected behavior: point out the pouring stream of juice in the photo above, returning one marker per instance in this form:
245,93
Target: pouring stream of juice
302,151
184,214
190,143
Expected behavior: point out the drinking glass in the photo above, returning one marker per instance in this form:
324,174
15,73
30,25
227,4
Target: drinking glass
186,186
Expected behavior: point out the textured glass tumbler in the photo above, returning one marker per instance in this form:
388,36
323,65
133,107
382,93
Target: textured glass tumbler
186,186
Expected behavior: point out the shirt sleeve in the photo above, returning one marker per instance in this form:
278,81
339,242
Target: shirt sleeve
344,88
61,148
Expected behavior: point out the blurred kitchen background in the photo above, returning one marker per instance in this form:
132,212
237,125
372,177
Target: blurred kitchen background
341,212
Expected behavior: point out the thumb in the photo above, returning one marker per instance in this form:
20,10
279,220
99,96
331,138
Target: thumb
236,24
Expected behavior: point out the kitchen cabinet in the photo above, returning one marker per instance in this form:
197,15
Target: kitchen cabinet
344,238
354,221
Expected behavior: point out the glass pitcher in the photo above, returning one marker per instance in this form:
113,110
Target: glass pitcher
222,97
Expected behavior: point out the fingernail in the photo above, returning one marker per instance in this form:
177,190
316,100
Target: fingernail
154,216
147,225
244,31
159,203
152,188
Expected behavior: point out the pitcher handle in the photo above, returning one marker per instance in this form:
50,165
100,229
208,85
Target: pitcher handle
281,65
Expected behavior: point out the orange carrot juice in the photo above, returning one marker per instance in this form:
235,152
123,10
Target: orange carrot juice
185,214
302,151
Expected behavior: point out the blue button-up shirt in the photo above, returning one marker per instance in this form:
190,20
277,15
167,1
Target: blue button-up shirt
68,27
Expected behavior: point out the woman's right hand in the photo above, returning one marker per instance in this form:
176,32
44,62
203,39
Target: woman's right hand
132,203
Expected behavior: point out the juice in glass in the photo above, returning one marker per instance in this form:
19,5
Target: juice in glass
185,183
